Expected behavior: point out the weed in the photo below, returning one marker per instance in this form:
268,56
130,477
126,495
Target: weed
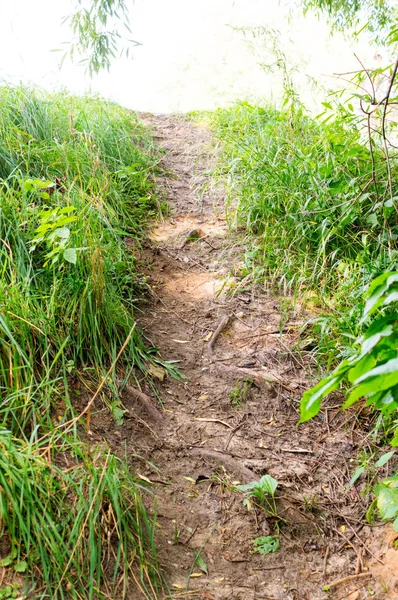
266,544
263,492
10,591
240,392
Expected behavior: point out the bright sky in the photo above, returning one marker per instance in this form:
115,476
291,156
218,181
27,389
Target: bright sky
191,57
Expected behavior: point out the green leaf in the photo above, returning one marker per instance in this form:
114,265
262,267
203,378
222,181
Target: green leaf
70,255
356,475
371,386
387,501
268,484
7,561
62,232
376,291
200,563
384,458
21,566
266,544
364,365
388,368
311,400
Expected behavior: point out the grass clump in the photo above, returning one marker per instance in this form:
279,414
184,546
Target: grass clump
76,189
318,221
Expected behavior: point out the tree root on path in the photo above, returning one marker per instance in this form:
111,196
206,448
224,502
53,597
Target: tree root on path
145,402
227,461
221,326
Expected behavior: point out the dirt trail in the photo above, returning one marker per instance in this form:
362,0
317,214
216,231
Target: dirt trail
214,435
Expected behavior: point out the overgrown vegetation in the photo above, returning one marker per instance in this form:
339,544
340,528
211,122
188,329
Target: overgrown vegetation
316,200
76,186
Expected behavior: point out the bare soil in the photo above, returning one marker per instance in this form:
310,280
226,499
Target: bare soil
212,436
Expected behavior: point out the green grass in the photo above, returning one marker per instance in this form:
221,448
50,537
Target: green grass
315,225
76,191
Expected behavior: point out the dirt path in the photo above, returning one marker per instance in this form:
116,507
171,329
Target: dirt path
234,417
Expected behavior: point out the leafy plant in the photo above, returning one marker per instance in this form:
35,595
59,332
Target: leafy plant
266,544
387,499
263,491
240,392
10,590
372,369
55,233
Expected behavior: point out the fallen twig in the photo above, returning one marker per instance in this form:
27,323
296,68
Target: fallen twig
220,327
231,435
337,582
213,421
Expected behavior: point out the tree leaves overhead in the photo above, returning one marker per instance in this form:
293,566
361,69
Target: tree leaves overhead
97,27
378,16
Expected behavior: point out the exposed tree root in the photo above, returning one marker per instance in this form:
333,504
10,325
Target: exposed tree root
227,461
145,402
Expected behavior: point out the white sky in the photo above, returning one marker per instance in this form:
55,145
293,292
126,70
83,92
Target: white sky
190,56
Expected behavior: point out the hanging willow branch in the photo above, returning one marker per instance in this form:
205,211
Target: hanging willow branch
97,27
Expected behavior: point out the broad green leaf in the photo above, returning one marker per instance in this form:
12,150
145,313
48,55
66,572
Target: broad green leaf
247,486
387,501
376,291
372,385
364,365
70,255
21,566
268,484
387,368
67,209
266,544
311,400
62,232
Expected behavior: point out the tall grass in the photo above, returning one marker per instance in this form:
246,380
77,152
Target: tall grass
76,190
303,192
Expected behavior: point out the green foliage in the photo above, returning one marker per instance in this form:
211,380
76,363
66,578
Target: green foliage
55,233
266,544
67,520
387,499
97,27
263,491
376,15
76,190
10,591
302,190
372,369
240,392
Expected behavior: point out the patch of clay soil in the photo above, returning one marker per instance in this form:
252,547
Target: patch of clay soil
211,437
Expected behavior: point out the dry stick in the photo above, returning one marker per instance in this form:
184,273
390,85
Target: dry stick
337,582
145,401
325,561
393,75
213,421
221,326
69,424
231,435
